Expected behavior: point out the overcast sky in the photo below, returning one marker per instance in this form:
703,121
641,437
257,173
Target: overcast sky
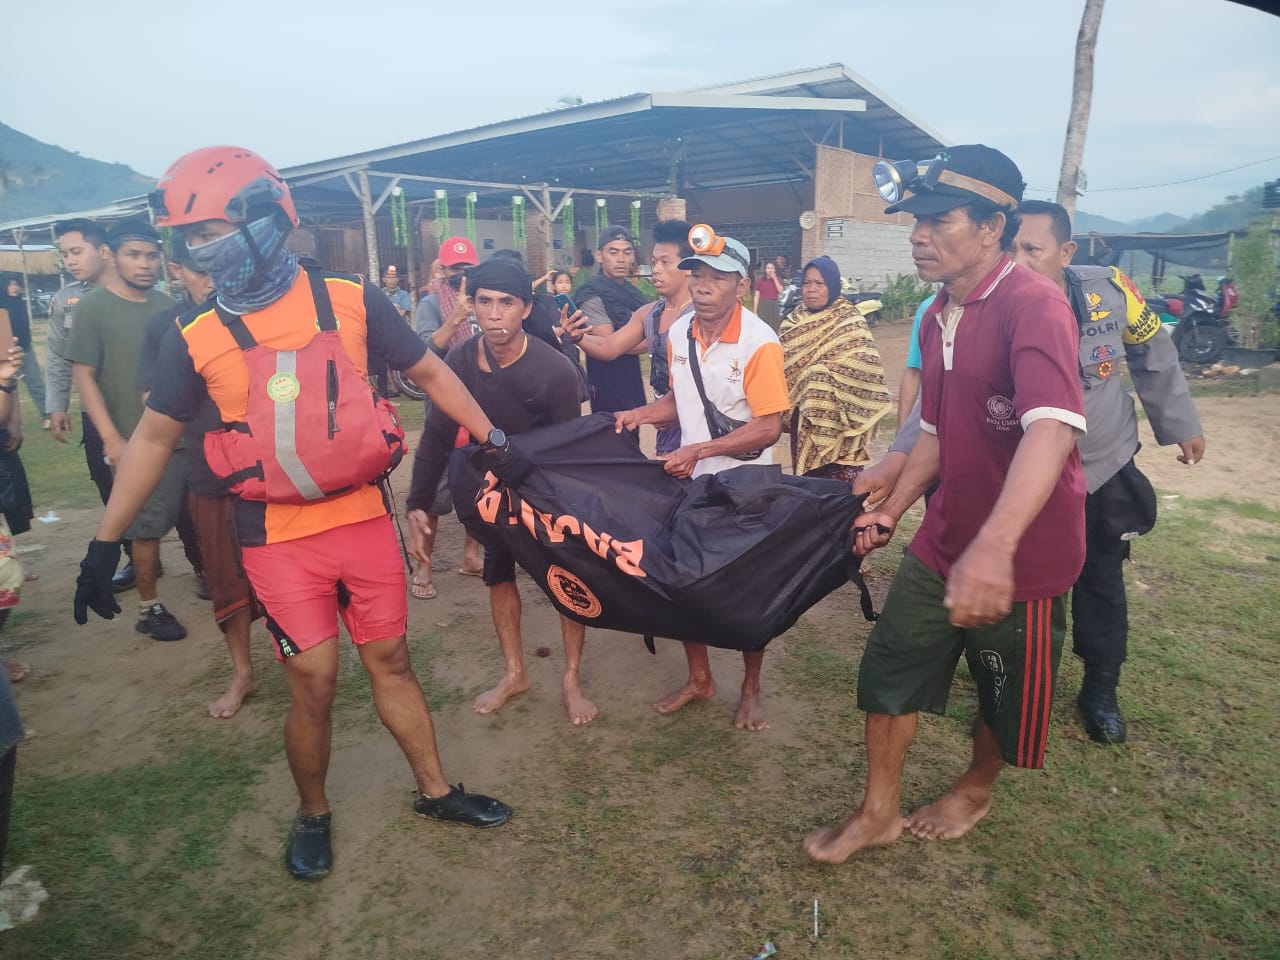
1183,88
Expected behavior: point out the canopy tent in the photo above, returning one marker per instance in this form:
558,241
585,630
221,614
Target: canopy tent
1207,251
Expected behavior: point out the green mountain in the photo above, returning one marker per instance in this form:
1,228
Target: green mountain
38,178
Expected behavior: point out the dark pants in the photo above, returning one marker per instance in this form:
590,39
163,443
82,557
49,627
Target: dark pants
7,764
95,457
1099,608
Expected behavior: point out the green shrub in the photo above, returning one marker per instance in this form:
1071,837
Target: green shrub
903,295
1253,264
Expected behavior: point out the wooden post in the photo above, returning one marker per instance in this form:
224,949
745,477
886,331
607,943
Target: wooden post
53,238
26,285
550,247
370,230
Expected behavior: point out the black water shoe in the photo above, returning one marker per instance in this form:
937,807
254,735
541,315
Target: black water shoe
309,855
473,809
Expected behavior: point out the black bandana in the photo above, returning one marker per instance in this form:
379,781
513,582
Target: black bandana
504,276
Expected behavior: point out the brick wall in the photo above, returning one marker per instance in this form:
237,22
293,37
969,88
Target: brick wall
767,240
877,252
853,228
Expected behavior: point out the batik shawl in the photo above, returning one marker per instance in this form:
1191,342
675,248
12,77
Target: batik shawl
836,385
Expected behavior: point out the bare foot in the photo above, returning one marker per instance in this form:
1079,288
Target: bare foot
579,708
17,671
837,844
952,815
228,705
694,689
491,701
750,715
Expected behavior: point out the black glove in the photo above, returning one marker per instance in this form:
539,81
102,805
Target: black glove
93,586
507,461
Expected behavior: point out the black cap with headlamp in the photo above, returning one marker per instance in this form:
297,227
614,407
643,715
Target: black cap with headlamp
955,177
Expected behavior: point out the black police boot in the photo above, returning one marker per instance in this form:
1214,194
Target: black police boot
125,579
1103,721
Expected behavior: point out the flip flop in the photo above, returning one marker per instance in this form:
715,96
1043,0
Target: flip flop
17,671
30,577
470,573
422,591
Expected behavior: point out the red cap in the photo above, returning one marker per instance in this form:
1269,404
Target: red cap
456,250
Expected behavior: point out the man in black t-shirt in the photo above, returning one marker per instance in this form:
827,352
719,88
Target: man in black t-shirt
520,384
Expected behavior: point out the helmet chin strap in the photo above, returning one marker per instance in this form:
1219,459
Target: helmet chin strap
260,261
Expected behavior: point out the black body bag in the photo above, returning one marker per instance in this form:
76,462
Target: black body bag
731,560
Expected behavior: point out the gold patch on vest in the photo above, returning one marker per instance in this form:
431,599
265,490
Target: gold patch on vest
1104,369
283,388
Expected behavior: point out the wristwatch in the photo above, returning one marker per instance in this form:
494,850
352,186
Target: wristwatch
9,387
497,439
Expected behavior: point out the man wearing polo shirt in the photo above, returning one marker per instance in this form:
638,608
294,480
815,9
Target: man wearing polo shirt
1003,538
740,361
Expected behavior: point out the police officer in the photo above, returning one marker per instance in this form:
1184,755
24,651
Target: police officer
1114,323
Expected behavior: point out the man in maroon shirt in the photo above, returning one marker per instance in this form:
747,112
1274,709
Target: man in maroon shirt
1003,538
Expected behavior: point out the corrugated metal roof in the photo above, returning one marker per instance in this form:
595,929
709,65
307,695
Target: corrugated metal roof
656,143
653,142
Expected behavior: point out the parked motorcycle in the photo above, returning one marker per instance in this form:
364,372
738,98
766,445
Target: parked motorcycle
1201,328
869,302
790,298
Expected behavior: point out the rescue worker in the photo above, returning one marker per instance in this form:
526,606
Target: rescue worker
309,560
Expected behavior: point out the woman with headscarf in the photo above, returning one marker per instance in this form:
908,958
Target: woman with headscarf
834,378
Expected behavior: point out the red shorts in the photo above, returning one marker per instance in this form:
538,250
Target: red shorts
355,572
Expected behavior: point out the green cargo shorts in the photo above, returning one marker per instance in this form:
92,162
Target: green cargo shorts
912,653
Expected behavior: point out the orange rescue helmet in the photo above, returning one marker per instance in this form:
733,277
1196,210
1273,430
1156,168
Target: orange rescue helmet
219,183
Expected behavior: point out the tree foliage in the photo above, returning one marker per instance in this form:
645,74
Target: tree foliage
1254,266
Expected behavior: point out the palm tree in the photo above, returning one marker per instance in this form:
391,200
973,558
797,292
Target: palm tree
1069,180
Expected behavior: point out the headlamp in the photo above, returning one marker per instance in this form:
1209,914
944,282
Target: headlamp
704,240
707,243
895,179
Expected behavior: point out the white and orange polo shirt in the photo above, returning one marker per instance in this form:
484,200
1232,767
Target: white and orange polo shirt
742,373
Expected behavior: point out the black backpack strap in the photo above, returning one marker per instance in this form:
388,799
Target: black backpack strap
708,411
235,324
325,318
